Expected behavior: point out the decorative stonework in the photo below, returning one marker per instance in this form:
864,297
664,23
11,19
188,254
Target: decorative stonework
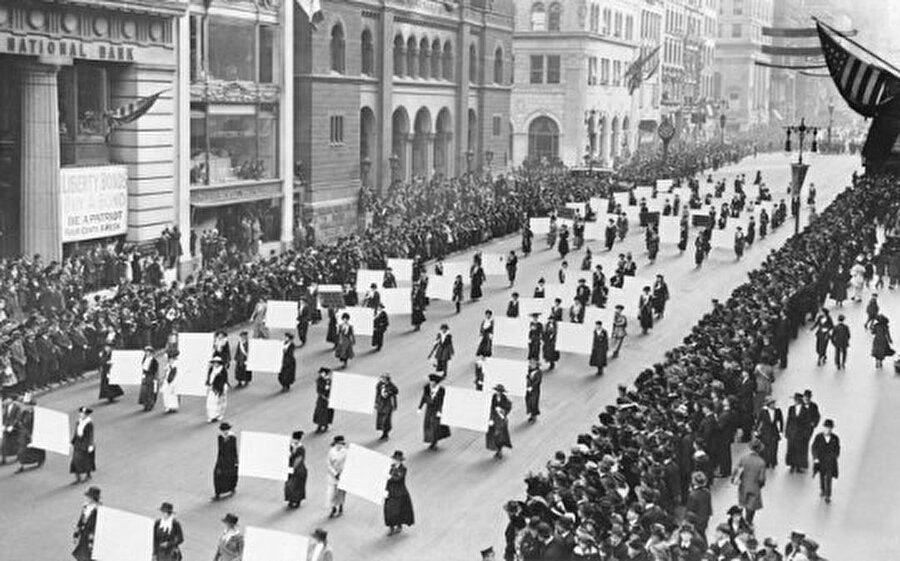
220,91
230,194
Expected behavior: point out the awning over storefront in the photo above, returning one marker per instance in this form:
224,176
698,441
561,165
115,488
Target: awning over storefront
222,195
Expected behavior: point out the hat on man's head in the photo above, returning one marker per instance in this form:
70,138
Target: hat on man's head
398,455
297,434
224,426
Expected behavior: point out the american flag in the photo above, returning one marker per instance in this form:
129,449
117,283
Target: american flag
865,87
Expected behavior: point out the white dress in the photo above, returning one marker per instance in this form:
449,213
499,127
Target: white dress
168,390
216,403
856,280
337,455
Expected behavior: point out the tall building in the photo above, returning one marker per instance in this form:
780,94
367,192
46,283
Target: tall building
571,100
739,81
396,91
649,93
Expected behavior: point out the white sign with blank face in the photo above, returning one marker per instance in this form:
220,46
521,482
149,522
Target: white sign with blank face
271,545
656,205
683,194
751,190
122,536
264,355
466,409
194,352
633,213
622,198
596,230
365,474
263,455
402,268
352,392
454,269
50,431
281,314
540,225
593,315
494,264
599,205
669,229
365,278
643,193
397,301
126,367
439,288
511,332
724,238
528,306
510,373
361,319
664,185
574,338
565,293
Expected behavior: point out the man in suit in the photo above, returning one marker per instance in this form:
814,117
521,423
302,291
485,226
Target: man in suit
826,449
231,542
318,547
750,476
167,535
769,426
840,338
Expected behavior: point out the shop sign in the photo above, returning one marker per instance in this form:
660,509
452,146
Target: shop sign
93,202
71,48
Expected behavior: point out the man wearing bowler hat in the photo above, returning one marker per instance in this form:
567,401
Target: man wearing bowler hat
231,542
83,536
167,535
826,449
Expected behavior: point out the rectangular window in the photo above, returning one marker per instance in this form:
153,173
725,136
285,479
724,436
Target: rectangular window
592,71
537,69
553,69
232,44
738,7
629,28
337,130
233,143
735,30
618,27
268,53
617,73
198,66
604,72
496,125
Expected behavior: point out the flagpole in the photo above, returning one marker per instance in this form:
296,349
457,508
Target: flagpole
843,36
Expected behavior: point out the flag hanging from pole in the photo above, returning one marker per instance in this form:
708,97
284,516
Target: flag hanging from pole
635,73
130,112
313,10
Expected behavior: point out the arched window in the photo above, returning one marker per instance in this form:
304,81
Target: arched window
498,66
554,16
399,56
543,139
424,59
337,48
595,18
538,17
448,61
411,52
368,53
436,59
473,63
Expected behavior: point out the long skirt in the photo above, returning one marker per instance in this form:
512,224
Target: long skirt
383,420
9,443
344,350
107,390
295,486
497,436
82,462
398,510
215,405
241,374
225,479
533,402
171,401
28,455
433,430
322,415
485,347
797,452
333,495
147,397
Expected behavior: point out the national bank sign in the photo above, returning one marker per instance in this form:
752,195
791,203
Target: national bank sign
37,46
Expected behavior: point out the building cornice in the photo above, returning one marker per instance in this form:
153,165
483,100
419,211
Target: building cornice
155,7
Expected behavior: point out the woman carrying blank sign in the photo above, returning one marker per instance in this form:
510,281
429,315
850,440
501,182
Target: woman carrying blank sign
398,508
497,436
295,486
433,402
345,340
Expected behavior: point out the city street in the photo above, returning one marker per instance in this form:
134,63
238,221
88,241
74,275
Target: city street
458,491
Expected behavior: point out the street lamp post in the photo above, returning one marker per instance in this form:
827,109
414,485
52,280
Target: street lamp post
798,169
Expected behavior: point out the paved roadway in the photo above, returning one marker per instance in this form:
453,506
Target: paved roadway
458,491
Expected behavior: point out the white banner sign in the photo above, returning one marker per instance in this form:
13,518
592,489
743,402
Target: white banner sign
194,353
271,545
353,392
263,455
466,409
93,202
365,474
122,536
126,367
50,431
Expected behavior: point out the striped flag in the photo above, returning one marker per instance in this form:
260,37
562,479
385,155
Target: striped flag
130,112
864,86
313,10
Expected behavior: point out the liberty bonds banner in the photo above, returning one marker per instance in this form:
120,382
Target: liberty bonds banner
93,202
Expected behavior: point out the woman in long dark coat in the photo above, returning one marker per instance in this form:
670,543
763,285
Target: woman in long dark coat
288,373
419,302
295,486
769,426
83,459
398,508
9,440
149,380
385,404
477,277
535,334
241,352
486,345
497,436
323,415
599,348
167,535
433,402
881,342
108,391
331,332
345,340
563,242
225,473
645,306
380,325
27,456
551,355
533,391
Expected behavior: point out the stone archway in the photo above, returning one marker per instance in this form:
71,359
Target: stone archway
615,136
399,144
422,141
442,142
367,140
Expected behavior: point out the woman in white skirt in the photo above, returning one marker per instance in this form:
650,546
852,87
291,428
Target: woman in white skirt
337,456
857,271
167,388
217,390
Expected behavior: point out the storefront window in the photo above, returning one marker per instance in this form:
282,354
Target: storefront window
268,53
232,44
242,145
91,100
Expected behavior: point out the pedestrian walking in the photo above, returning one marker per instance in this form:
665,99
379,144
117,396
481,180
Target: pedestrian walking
512,308
486,332
497,436
442,350
346,339
386,393
457,293
645,310
149,380
295,486
527,237
9,438
304,317
216,390
337,457
83,536
476,280
222,348
533,390
872,311
750,477
241,352
822,327
535,336
319,549
433,402
599,348
769,427
398,507
548,338
380,325
512,266
323,415
167,387
167,535
881,342
231,543
840,338
739,243
826,449
619,330
27,456
83,453
225,472
109,392
795,432
660,294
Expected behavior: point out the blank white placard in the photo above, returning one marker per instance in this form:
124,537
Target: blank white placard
439,288
271,545
669,229
263,455
683,194
511,373
402,268
528,306
365,278
281,314
362,319
643,192
194,353
50,431
466,409
633,214
593,314
451,270
352,392
751,190
574,338
511,332
397,301
622,198
494,264
664,185
122,536
596,230
365,474
126,367
599,205
565,293
264,355
540,225
723,239
655,205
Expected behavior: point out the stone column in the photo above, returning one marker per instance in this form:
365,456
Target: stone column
408,144
606,141
429,155
286,126
40,220
183,173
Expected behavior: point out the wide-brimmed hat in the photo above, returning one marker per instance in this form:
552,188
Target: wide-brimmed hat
224,426
500,388
398,455
297,434
167,508
93,493
338,440
230,519
85,410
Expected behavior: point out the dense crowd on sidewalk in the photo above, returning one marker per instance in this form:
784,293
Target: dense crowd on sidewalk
636,485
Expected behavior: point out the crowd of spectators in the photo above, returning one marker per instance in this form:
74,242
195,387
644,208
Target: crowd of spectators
636,485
